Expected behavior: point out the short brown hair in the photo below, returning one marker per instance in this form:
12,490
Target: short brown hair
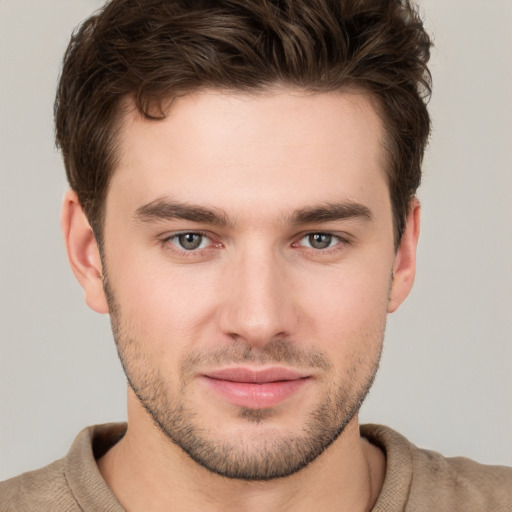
155,50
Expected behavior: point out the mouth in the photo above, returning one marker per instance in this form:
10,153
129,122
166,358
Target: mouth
256,388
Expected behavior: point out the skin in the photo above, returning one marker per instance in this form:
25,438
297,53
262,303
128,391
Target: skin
256,284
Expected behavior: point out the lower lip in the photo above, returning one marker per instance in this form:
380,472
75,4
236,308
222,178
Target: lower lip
256,396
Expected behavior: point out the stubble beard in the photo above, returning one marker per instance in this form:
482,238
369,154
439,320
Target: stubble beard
267,457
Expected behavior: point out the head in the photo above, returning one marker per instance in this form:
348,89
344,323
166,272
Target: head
244,177
157,50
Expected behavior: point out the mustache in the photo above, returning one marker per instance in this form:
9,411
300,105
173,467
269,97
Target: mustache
276,351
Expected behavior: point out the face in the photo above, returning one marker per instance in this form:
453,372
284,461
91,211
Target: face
248,261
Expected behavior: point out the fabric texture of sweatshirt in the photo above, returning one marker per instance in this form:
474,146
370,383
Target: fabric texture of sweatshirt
416,480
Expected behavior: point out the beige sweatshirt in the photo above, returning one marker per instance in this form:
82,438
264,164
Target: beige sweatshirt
416,480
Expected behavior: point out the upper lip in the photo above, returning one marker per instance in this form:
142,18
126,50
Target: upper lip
256,376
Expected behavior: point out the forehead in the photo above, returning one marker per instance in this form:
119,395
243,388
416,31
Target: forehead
282,147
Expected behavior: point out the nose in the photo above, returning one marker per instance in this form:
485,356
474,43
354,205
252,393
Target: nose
258,303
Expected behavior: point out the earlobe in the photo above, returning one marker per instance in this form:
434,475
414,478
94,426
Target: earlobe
83,252
404,269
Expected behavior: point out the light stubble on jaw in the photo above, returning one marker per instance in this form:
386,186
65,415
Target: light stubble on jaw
259,456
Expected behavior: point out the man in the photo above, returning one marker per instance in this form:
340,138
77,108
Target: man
243,181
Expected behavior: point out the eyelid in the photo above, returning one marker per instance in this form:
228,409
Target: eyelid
343,240
167,240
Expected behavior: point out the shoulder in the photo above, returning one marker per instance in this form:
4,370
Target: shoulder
460,483
44,489
70,484
423,480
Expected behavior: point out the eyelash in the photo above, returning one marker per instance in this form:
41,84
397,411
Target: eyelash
168,240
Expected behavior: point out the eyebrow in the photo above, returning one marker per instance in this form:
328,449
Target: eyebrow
166,209
329,212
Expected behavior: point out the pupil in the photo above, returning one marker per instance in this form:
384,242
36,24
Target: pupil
320,240
190,241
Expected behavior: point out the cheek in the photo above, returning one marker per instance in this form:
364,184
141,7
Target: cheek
163,303
347,307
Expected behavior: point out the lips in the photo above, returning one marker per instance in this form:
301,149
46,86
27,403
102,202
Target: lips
256,388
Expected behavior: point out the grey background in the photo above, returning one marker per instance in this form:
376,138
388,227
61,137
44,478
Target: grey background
445,380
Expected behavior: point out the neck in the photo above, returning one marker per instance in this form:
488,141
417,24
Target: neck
146,471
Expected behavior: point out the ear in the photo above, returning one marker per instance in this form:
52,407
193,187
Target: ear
404,268
83,252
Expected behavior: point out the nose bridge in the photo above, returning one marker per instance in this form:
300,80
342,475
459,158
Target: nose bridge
257,306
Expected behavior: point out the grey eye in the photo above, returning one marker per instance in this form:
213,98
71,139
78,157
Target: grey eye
320,240
190,241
